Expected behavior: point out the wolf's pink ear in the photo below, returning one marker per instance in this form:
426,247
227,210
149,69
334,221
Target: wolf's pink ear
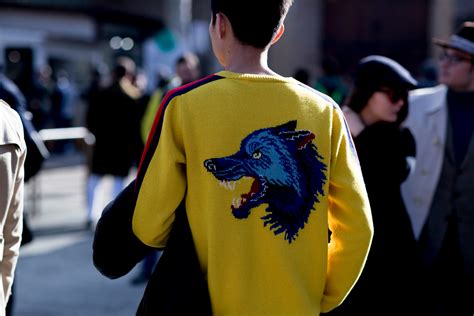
302,142
301,138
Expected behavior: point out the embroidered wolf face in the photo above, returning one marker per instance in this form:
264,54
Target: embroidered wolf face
288,176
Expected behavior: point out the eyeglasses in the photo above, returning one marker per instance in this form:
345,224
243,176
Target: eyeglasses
454,59
395,95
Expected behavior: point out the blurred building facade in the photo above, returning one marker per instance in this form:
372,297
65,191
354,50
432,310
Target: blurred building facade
81,34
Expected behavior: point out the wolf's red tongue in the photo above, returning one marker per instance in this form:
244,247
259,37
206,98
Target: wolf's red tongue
254,189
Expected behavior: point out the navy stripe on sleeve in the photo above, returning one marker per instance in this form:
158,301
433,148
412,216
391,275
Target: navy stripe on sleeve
154,136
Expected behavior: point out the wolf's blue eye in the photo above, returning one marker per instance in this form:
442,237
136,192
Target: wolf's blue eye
256,155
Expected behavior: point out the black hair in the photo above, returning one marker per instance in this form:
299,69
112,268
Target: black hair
124,66
359,98
254,22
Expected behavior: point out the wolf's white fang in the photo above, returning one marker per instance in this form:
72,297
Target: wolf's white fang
229,185
236,202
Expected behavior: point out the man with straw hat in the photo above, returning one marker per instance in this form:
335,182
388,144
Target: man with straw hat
439,195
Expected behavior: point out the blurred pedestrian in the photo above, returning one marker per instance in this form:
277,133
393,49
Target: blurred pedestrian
97,83
187,71
303,76
265,251
440,193
153,103
376,106
141,82
331,82
63,108
38,97
114,119
12,159
63,101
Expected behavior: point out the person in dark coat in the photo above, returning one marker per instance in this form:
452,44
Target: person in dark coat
113,117
375,109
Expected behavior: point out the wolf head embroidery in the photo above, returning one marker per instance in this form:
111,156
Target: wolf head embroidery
288,176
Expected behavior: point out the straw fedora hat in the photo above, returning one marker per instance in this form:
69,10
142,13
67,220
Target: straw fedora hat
462,40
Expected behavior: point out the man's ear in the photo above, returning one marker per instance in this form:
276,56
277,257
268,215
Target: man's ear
221,24
279,34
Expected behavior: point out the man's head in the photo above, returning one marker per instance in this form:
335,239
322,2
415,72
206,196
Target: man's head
456,62
188,68
254,23
381,86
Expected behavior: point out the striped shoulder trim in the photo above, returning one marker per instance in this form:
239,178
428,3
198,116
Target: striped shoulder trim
154,136
339,110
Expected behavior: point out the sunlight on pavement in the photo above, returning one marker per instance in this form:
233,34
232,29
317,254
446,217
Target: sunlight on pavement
46,244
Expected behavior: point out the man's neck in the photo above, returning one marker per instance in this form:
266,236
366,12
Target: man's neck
247,59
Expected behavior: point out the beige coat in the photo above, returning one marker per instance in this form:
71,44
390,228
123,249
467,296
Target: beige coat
12,158
427,120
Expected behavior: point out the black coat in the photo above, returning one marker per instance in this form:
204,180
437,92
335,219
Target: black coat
383,149
114,119
388,282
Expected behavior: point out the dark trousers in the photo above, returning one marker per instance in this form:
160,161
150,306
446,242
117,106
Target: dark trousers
447,288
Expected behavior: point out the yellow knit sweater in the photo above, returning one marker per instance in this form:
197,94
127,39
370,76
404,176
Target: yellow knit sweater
266,166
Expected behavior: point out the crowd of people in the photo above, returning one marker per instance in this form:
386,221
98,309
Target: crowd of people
297,197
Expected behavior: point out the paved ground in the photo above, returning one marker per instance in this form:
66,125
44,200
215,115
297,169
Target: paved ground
55,275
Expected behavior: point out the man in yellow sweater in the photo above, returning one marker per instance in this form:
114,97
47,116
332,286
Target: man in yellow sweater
265,166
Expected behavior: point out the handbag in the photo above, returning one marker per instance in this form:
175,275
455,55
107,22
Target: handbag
177,286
